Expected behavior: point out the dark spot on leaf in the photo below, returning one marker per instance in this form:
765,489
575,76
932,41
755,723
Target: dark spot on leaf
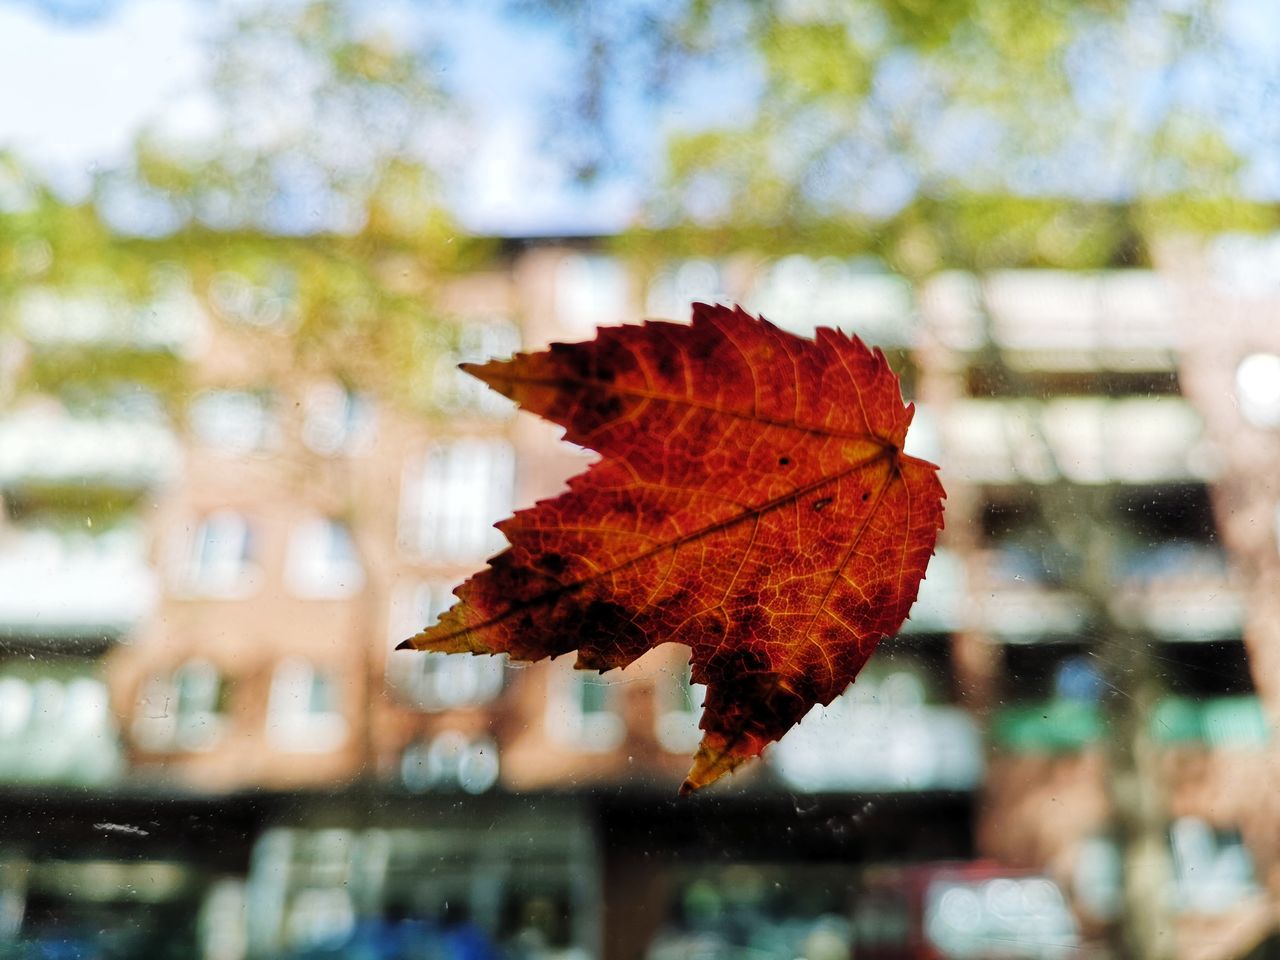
624,506
883,594
755,703
553,563
820,505
589,417
671,609
727,665
607,636
576,362
784,461
750,623
668,369
866,495
609,408
603,618
804,687
612,358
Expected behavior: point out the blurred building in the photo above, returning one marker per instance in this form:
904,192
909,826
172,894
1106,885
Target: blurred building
218,665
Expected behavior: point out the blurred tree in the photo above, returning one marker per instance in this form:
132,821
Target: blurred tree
298,193
316,156
306,175
972,134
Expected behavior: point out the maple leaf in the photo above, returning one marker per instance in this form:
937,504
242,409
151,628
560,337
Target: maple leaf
752,501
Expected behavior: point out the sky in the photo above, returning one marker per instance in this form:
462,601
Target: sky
503,75
77,92
85,77
82,77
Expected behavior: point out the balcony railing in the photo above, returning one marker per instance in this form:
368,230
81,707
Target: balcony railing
801,294
1050,320
1081,440
56,727
59,587
1180,591
47,448
171,320
1177,591
1057,726
882,734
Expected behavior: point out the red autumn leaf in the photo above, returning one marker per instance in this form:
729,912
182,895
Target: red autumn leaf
752,501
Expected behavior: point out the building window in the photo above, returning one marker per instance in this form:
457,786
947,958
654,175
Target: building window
452,496
580,710
678,703
455,390
56,730
16,704
302,711
234,421
450,761
220,923
591,291
337,420
183,711
1213,871
319,920
799,294
1078,679
437,681
323,561
679,284
271,304
887,732
440,681
416,606
220,557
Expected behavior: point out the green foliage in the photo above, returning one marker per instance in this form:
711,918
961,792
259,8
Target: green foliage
809,60
927,24
954,133
73,508
962,231
352,291
350,294
81,375
1206,215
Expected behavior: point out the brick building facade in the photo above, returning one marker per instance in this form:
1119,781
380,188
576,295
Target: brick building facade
293,527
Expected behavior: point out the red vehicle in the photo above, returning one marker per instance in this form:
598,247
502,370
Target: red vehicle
961,911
